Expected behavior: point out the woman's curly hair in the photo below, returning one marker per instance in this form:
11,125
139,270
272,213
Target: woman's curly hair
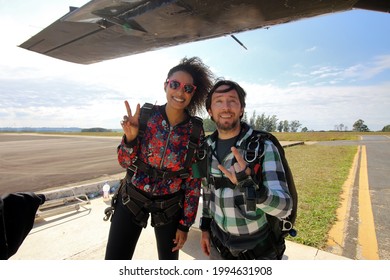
203,80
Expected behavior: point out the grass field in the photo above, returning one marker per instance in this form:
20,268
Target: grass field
323,136
319,174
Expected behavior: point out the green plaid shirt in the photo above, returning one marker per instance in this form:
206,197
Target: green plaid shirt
227,206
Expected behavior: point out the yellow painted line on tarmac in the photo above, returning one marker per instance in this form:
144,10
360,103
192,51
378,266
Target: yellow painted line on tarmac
367,241
336,235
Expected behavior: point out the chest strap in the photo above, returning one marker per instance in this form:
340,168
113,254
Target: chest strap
154,172
221,182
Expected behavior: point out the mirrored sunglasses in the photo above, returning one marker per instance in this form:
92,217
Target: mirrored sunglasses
188,88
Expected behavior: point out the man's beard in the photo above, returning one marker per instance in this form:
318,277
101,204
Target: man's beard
227,126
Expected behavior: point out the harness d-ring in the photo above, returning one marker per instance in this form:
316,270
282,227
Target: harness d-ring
252,152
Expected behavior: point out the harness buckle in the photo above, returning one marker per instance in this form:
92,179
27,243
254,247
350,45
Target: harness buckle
108,212
159,219
201,154
125,199
192,144
133,168
286,225
184,175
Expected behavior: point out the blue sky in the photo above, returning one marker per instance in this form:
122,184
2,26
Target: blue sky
324,71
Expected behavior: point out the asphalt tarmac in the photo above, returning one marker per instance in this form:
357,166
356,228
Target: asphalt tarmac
36,162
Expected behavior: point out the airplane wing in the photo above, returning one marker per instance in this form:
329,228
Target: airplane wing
107,29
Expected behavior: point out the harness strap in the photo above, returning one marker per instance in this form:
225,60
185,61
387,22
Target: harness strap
154,172
221,182
257,252
161,218
162,210
146,111
194,140
223,250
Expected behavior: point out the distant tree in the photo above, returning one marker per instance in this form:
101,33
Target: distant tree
304,129
286,126
360,126
245,117
271,123
294,126
208,125
259,122
263,122
339,127
96,129
386,128
252,120
280,126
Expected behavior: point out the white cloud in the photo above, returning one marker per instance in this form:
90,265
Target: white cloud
336,74
322,107
312,49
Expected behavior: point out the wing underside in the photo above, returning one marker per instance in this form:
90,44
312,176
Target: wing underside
107,29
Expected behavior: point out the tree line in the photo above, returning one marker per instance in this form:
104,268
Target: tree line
262,122
273,124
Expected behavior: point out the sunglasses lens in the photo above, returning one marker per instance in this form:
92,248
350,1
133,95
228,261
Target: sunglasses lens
174,84
189,88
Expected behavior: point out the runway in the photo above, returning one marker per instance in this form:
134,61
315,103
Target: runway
36,162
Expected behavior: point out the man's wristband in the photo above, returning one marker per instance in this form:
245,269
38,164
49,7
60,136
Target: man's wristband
205,224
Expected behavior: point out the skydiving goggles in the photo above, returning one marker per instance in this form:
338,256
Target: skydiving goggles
174,84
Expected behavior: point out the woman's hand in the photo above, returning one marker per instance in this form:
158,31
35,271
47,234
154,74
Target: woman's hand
130,123
181,238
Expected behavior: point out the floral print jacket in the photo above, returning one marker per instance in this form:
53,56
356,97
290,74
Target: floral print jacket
164,147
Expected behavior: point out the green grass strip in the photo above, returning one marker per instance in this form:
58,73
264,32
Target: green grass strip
319,174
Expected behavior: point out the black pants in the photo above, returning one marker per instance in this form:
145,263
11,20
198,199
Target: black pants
124,234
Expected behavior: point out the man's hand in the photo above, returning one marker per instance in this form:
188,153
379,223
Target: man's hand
205,243
239,166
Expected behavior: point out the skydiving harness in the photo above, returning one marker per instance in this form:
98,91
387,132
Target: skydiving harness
253,155
140,204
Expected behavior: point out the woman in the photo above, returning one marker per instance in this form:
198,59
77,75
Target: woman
159,181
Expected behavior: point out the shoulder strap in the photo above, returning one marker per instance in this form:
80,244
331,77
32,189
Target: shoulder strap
194,140
263,135
146,111
289,177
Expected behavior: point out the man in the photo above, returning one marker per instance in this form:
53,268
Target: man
238,197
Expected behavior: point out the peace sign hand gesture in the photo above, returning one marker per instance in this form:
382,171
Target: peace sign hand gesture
239,168
130,123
